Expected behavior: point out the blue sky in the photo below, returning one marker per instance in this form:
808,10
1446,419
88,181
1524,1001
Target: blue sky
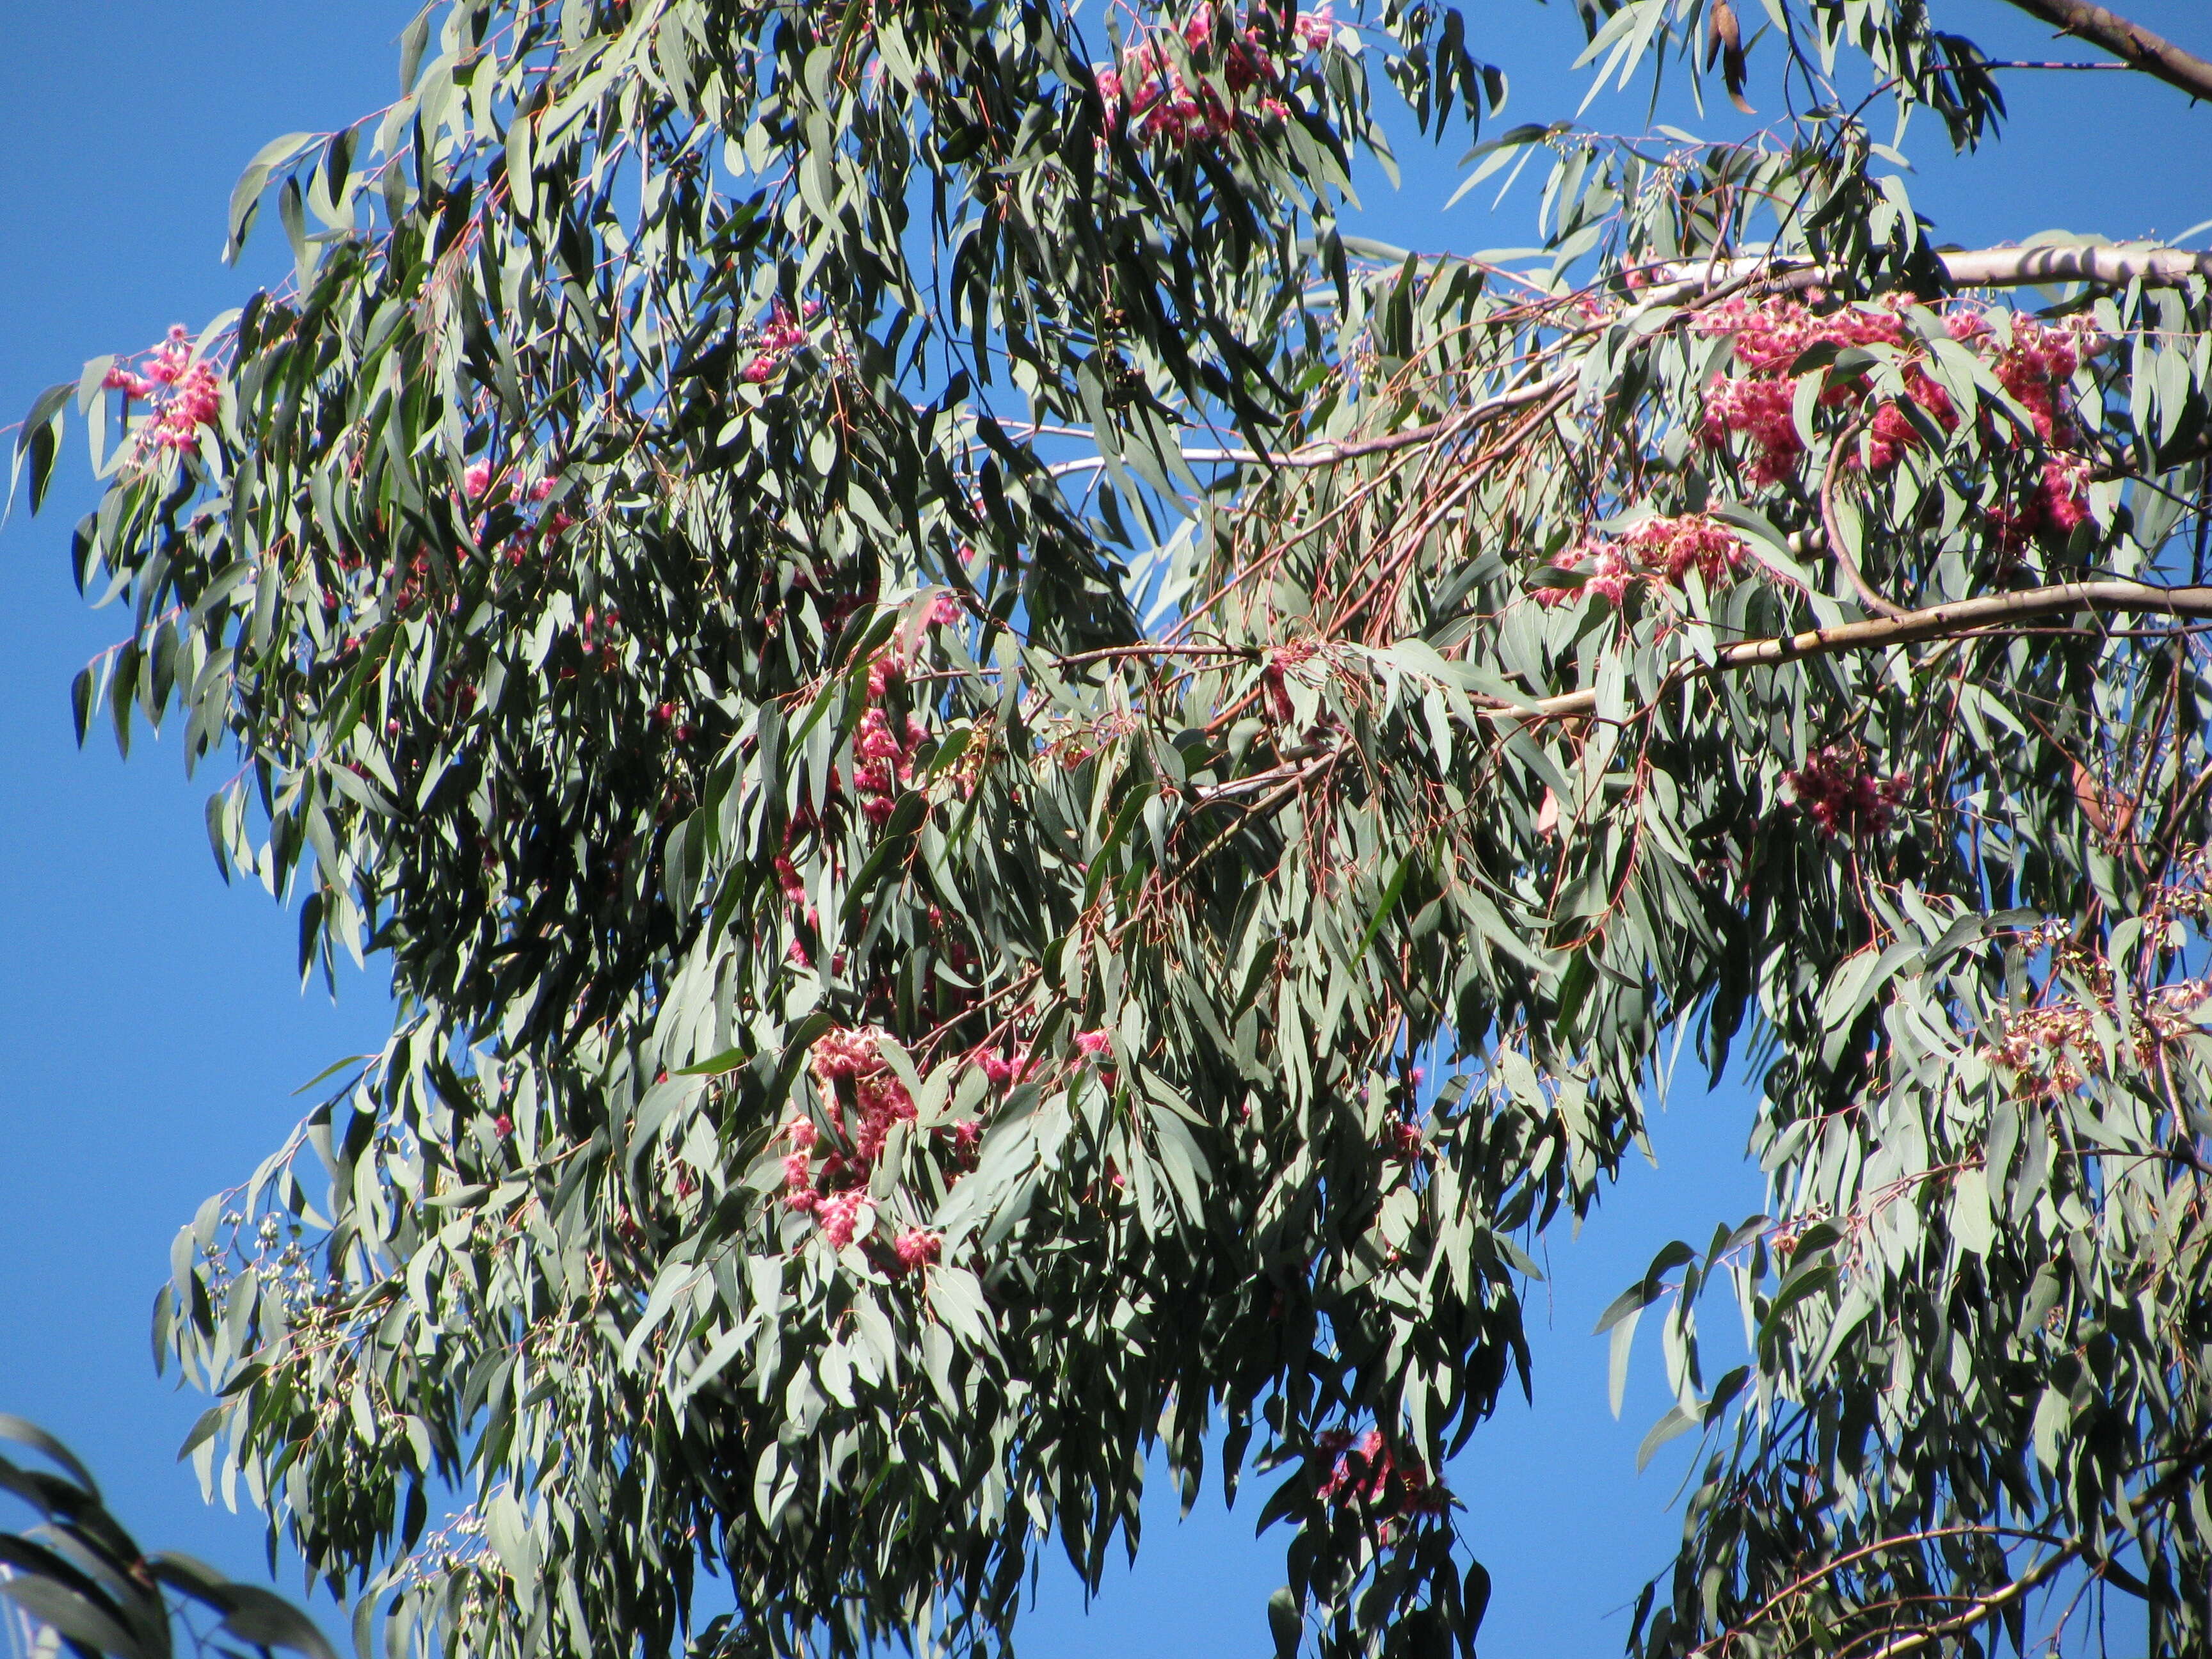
152,1029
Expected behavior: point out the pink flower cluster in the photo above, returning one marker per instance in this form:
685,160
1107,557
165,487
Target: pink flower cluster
2035,369
1275,677
1366,1473
1162,108
1761,410
1891,433
833,1189
1006,1070
600,637
1772,334
1835,789
1659,549
2041,359
671,715
186,394
885,756
917,1247
784,335
886,760
1770,337
2060,502
477,479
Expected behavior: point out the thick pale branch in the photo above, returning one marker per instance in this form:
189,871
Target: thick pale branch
1992,267
1958,620
2132,44
1980,1611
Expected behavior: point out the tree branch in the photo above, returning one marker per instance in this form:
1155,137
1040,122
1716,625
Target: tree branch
1959,619
1991,267
2132,44
1993,1603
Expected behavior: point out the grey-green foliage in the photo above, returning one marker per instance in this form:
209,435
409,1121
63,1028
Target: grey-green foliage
86,1586
1022,816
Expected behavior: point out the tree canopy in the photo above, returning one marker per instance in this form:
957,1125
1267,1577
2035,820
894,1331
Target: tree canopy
1029,809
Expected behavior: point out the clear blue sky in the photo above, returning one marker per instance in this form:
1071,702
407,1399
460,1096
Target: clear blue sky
151,1030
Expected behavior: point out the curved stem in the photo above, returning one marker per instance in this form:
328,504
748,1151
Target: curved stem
1845,442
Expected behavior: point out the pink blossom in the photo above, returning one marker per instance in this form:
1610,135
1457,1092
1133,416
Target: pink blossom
2060,502
1660,549
1366,1473
1771,334
876,741
2063,494
1965,324
1763,410
1149,90
845,1216
502,1126
170,360
543,488
2034,367
477,479
1889,435
917,1248
1093,1043
1834,790
787,877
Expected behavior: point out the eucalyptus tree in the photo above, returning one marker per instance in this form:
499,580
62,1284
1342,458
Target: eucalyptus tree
1031,811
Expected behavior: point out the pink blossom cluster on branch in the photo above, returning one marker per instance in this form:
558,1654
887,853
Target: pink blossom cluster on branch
1770,337
186,393
2052,1049
1163,107
1835,789
784,335
1366,1473
868,1100
1659,550
484,486
884,755
833,1189
2033,360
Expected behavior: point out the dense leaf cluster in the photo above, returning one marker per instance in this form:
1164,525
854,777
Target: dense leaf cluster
79,1582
